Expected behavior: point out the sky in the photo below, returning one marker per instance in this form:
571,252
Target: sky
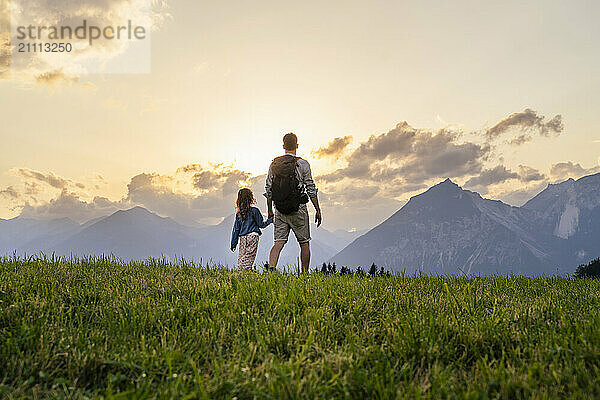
387,98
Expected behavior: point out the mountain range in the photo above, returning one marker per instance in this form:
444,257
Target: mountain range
138,234
449,230
445,230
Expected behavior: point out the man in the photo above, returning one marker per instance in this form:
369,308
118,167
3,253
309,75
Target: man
289,185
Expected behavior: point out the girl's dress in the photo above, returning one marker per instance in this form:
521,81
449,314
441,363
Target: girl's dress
247,250
247,232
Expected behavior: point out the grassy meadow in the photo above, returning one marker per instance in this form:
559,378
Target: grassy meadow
102,328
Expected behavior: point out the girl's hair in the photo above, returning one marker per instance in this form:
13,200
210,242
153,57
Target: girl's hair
244,201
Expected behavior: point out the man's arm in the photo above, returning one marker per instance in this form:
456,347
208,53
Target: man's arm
318,217
311,191
268,193
270,213
307,180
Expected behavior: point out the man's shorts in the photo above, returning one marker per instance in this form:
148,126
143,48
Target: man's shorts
297,222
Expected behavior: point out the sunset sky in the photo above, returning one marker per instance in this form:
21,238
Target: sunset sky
386,97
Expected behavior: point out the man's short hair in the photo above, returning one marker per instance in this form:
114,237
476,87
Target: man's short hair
290,141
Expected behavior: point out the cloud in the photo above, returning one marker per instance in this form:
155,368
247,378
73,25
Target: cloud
407,158
70,205
64,68
335,149
193,194
411,156
32,188
48,178
492,176
527,120
152,192
568,169
500,174
528,174
520,140
55,77
217,177
10,193
217,187
190,168
227,181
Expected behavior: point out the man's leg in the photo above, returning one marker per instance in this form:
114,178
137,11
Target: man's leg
300,224
274,254
305,256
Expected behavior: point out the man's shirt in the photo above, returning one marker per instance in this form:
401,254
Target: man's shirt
307,184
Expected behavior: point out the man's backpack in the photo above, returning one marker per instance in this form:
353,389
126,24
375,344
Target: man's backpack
285,186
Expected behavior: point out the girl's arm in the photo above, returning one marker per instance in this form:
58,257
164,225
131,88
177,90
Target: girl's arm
259,219
235,234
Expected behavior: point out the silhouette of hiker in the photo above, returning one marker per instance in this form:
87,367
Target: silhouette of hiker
290,185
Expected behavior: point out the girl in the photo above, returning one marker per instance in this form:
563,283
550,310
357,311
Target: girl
246,228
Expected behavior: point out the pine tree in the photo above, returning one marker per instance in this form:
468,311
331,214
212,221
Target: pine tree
332,268
324,268
373,270
591,270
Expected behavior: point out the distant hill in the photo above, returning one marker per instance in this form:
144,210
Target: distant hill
448,230
130,234
29,235
138,233
571,211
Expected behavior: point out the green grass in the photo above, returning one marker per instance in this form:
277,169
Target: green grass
95,328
